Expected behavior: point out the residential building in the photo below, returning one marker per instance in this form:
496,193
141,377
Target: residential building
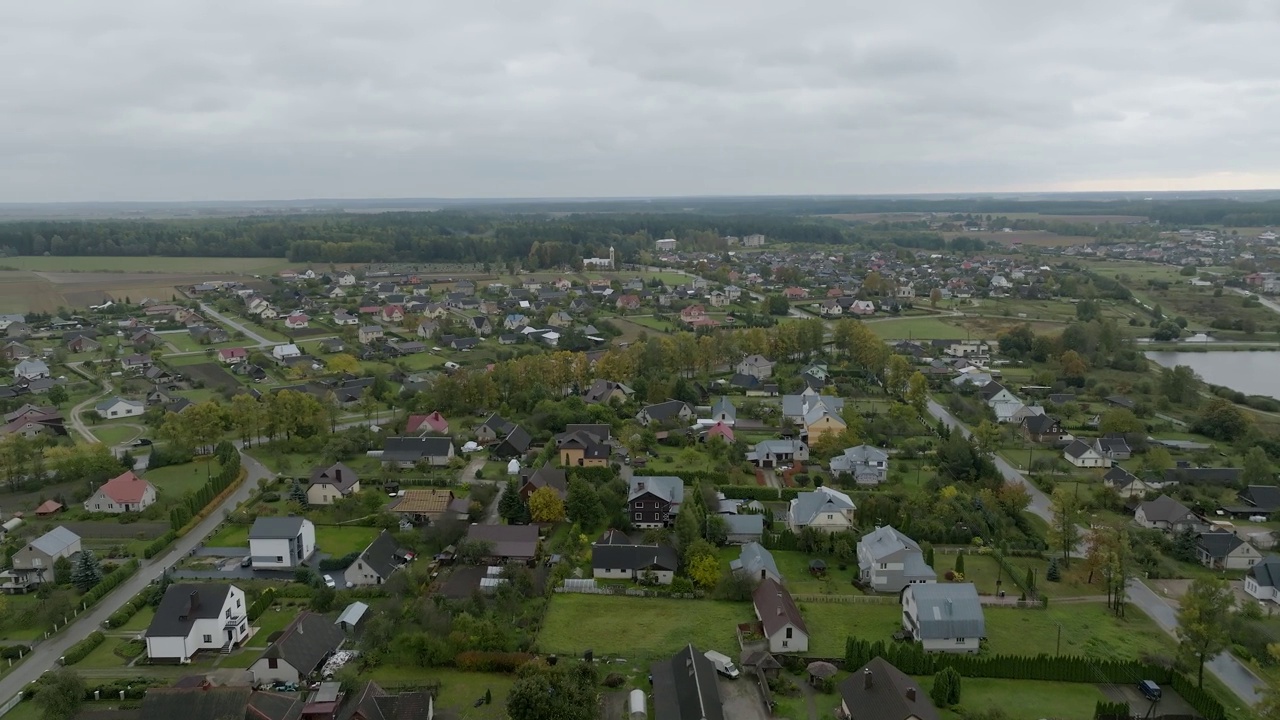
34,563
406,452
868,465
654,501
420,506
825,509
191,618
723,411
281,542
776,453
1165,513
1042,429
756,366
757,563
434,424
783,625
944,617
671,412
743,528
888,561
285,352
123,493
1263,580
377,562
232,356
507,543
584,446
296,321
607,391
330,484
544,477
303,645
646,564
880,691
685,687
1225,551
118,407
1083,455
33,420
369,334
1126,484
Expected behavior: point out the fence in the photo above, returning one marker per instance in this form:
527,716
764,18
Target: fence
585,589
856,599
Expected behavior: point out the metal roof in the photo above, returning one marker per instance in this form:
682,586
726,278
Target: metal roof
948,610
55,541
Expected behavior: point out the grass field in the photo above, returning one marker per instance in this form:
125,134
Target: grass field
830,623
458,690
104,656
794,566
1023,698
917,329
110,435
269,622
140,620
339,541
230,536
174,481
639,627
145,264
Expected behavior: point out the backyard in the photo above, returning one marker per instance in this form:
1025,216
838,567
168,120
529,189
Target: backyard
340,540
458,690
794,566
174,481
1031,698
642,628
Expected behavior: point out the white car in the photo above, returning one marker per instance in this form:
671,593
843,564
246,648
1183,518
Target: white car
329,583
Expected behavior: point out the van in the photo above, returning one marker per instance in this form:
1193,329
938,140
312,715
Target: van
723,664
451,366
1149,689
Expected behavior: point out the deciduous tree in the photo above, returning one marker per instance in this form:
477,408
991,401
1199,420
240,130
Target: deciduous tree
545,506
1203,622
1066,521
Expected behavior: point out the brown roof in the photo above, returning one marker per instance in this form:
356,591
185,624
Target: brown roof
890,695
425,501
776,608
48,507
509,541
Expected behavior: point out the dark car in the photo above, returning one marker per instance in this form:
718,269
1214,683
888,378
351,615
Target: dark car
1149,689
247,561
142,442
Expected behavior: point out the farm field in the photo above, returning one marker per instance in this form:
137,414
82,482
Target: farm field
654,626
48,290
1038,238
203,265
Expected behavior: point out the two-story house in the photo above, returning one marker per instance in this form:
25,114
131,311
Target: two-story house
756,366
377,562
191,618
1225,551
281,542
889,561
671,412
584,446
330,484
33,564
654,501
944,617
123,493
782,624
867,464
825,509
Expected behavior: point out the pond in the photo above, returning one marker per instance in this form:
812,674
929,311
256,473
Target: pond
1252,373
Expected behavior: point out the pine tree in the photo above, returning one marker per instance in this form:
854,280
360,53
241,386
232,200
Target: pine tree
928,556
297,494
960,563
1031,580
87,571
1052,574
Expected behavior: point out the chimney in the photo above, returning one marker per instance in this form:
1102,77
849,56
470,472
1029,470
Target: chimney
949,606
911,694
337,475
867,679
640,485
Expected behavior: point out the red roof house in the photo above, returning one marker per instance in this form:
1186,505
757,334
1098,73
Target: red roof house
231,356
720,430
433,423
49,507
122,493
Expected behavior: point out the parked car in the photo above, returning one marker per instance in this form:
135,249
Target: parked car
247,561
142,442
1149,689
328,582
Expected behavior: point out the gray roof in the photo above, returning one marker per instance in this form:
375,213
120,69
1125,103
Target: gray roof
858,455
745,524
414,449
1267,572
108,403
634,557
807,505
724,406
666,487
795,406
1163,509
948,610
885,541
55,541
886,698
754,557
778,447
353,614
183,605
1078,448
275,528
306,641
685,687
1218,544
382,555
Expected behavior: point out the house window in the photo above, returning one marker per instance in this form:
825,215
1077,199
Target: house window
97,506
638,515
237,602
208,638
785,643
37,562
273,663
959,641
789,633
228,612
884,566
279,558
110,506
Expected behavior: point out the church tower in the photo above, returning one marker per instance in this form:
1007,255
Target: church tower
613,262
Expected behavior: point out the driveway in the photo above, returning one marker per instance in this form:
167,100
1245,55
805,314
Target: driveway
1171,703
742,700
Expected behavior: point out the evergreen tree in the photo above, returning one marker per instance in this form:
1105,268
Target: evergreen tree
928,556
1031,579
960,563
512,507
946,687
298,494
1052,574
87,571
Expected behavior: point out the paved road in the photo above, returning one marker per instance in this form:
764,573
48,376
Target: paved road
1225,667
44,655
262,342
76,423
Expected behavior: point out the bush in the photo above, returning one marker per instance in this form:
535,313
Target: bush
109,582
13,652
259,606
159,545
478,661
125,613
339,563
130,649
81,650
756,492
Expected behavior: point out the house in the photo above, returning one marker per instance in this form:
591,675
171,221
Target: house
1225,551
30,369
515,444
724,412
507,543
889,561
330,484
191,618
342,318
232,356
776,453
671,412
546,476
332,345
1202,476
825,509
862,308
34,563
302,646
369,334
944,617
607,392
993,393
647,564
422,506
685,687
1126,484
718,430
435,424
756,366
1165,513
757,563
1042,429
1261,499
118,407
1083,455
819,421
83,344
868,465
585,447
281,542
296,320
784,627
406,452
796,407
880,691
392,314
1263,580
123,493
33,420
1112,447
376,563
743,528
654,501
285,352
494,427
136,362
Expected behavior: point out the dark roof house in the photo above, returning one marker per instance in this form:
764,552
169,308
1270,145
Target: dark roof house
685,687
880,691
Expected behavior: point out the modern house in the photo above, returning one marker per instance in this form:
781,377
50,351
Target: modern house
775,453
330,484
825,509
33,564
118,407
1083,455
1225,551
880,691
123,493
756,366
406,452
651,564
944,617
606,392
654,501
685,687
281,542
382,557
757,563
584,446
784,628
889,561
191,618
1263,580
302,646
671,412
868,465
1165,513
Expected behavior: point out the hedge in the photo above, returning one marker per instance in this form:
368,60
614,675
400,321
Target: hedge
1198,698
690,477
13,652
81,650
157,546
756,492
592,474
478,661
1104,710
125,613
259,606
193,505
109,583
340,563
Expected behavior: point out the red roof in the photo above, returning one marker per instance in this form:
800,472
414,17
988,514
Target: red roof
232,352
435,421
49,507
126,488
720,430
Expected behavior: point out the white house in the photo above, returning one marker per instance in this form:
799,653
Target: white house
824,509
781,622
281,542
123,493
944,617
1083,455
118,407
302,646
30,369
192,618
1263,580
286,351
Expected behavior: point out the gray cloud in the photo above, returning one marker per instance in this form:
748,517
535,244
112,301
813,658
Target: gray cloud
154,99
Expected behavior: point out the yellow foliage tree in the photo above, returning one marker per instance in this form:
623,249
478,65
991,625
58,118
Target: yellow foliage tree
343,363
704,570
545,506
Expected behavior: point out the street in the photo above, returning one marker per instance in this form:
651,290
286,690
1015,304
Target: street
262,342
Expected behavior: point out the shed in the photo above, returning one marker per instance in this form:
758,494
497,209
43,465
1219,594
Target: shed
513,467
352,616
636,706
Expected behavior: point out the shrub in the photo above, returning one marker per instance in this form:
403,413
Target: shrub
159,545
81,650
339,563
13,652
259,606
480,661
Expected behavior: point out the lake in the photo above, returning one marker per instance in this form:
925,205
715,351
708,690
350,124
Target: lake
1252,373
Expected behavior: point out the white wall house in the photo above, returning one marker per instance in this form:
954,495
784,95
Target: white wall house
944,617
281,542
123,493
192,618
118,407
1262,580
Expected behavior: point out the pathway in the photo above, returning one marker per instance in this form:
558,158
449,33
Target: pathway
76,423
237,325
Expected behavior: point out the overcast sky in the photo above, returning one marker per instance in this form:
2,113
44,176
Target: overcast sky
267,99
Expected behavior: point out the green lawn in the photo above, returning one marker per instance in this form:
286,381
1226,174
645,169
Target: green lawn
421,361
174,481
458,690
794,566
343,540
1087,629
141,620
652,323
230,536
917,329
1023,698
104,656
269,622
639,627
111,435
830,623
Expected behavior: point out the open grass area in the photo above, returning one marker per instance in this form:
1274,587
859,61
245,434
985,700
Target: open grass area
1087,629
342,540
110,435
174,481
1023,698
230,536
141,620
917,329
271,621
794,566
639,627
58,263
421,361
830,623
458,690
653,323
104,656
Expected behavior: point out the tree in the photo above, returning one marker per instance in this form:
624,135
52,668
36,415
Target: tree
1157,460
545,506
918,392
1053,574
1204,622
1122,421
704,570
1180,384
343,363
298,494
60,694
897,377
960,563
987,436
87,572
562,692
1257,468
512,507
946,687
935,296
57,395
1222,420
1072,366
777,305
583,504
717,530
1066,521
1184,545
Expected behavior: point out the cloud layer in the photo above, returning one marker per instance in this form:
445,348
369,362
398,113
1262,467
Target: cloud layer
195,100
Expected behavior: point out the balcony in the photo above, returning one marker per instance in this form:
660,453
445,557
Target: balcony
233,623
